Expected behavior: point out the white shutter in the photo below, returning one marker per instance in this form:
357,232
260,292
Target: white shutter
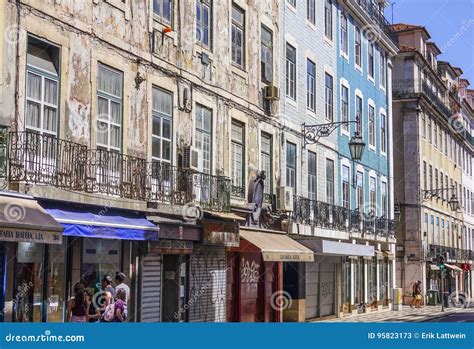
151,289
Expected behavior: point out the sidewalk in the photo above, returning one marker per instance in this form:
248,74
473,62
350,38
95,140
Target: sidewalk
407,314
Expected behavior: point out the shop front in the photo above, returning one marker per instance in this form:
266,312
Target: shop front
255,275
32,267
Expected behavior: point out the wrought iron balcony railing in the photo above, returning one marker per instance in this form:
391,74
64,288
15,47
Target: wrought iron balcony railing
324,215
45,159
450,253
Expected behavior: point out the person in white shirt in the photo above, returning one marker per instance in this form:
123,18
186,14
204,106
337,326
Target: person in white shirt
120,284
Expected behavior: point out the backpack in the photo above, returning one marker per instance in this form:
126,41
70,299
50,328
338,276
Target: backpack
109,313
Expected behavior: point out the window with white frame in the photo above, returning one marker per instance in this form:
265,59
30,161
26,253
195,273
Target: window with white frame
344,35
292,2
359,110
329,104
204,23
372,196
371,126
360,191
162,120
370,59
430,131
291,165
42,88
358,47
425,179
423,125
109,108
238,36
290,71
203,136
328,19
431,176
383,70
383,194
266,160
345,187
266,59
311,85
345,106
312,176
237,163
163,10
330,181
383,133
311,11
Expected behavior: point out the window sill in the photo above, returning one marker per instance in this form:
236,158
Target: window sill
291,101
239,71
344,55
199,50
372,147
328,41
159,26
371,78
290,7
359,68
311,25
383,89
384,154
345,133
311,113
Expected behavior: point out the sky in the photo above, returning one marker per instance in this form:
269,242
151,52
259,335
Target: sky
450,24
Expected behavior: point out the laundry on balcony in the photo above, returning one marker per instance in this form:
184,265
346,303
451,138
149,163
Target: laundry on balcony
103,224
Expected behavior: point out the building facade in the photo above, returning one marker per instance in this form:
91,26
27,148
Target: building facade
429,179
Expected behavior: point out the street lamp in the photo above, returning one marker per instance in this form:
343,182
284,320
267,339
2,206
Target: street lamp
356,147
453,201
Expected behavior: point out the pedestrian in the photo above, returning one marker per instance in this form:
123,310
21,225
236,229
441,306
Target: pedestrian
416,295
78,307
121,285
93,315
107,295
120,309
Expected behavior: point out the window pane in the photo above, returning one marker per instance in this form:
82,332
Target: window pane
115,112
166,128
50,91
166,150
33,114
33,86
103,109
156,148
49,119
115,136
156,126
109,81
102,133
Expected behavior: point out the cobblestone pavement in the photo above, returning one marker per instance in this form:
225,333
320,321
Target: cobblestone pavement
407,314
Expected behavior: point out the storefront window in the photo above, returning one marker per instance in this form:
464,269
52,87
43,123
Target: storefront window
28,293
55,274
346,274
358,281
372,281
100,257
383,279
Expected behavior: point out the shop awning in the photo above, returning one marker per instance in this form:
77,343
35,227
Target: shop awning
390,255
452,267
336,248
22,219
225,215
104,225
277,247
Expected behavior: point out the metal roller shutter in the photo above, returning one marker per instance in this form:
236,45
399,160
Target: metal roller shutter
208,277
312,289
151,289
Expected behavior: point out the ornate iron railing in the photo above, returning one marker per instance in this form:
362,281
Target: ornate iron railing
324,215
45,159
451,253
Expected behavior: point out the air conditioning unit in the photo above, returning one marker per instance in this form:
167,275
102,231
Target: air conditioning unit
285,199
192,159
272,93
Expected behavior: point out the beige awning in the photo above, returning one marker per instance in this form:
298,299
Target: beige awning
22,219
225,215
453,267
278,247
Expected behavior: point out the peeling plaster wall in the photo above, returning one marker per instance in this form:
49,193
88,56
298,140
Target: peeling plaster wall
126,37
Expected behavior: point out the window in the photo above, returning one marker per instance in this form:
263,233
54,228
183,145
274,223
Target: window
371,126
290,71
383,133
431,177
424,176
441,184
442,242
329,97
360,191
266,62
203,140
162,10
435,135
328,19
344,35
359,107
358,47
238,36
312,175
383,194
204,23
291,166
430,132
372,196
161,136
42,92
345,106
436,178
330,181
425,228
292,2
423,125
237,163
266,160
109,108
311,86
345,187
436,237
370,60
383,70
311,11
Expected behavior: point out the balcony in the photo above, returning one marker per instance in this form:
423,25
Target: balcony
320,214
377,16
44,159
450,253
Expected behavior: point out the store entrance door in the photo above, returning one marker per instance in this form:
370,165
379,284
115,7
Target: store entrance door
327,288
170,288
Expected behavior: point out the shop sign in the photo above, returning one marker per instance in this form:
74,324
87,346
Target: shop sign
286,257
165,246
221,234
18,235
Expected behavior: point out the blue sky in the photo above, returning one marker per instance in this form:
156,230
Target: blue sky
450,24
